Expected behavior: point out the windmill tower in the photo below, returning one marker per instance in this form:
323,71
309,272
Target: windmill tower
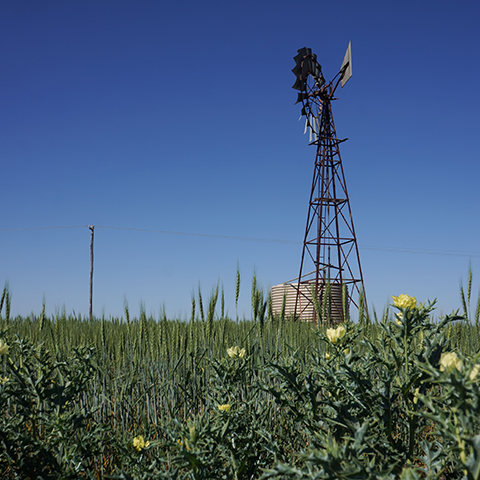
330,272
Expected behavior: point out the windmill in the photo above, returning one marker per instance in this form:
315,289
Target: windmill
330,271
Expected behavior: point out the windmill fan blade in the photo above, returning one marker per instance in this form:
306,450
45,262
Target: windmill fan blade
309,66
298,58
297,69
302,53
316,71
298,85
301,97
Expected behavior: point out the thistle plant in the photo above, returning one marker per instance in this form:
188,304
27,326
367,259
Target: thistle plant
43,432
360,406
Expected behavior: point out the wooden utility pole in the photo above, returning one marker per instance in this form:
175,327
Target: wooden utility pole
90,303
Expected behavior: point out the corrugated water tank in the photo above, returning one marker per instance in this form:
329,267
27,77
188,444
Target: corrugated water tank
332,309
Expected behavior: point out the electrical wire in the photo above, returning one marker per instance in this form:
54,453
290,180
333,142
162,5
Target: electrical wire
457,253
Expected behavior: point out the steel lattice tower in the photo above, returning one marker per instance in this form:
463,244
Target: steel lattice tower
330,272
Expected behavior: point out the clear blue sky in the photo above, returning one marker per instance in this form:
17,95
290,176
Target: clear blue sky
180,117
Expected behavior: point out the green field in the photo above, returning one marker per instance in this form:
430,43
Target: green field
394,396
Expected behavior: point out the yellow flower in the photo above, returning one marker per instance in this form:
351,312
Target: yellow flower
139,443
475,371
449,361
327,356
4,380
184,443
334,334
234,352
3,347
404,301
415,395
224,408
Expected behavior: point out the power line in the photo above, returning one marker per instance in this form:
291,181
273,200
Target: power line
424,251
208,235
457,253
41,228
166,232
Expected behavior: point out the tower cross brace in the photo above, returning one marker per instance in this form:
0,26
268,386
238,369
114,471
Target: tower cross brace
330,263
